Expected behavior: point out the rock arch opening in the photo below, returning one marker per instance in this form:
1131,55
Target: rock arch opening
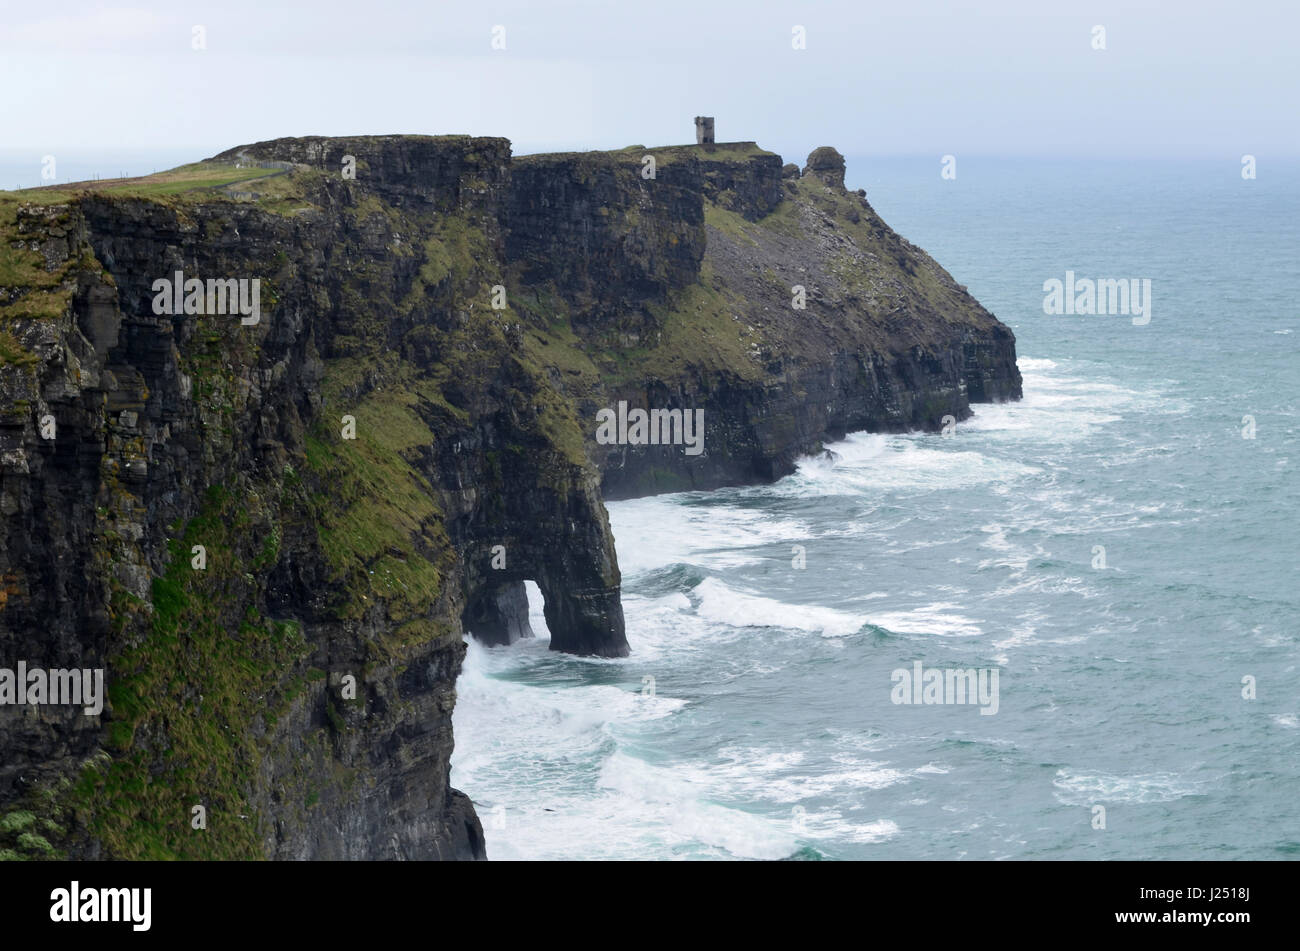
498,614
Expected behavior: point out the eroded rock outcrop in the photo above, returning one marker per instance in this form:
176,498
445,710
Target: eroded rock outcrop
826,164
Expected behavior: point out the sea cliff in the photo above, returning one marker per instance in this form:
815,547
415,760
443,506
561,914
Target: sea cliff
273,534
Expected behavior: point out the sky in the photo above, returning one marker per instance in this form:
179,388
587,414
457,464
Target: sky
1174,80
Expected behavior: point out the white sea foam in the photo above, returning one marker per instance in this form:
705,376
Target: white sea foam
1026,364
939,619
725,605
872,466
783,775
669,627
1076,788
1018,636
683,807
544,765
655,532
1061,408
553,775
831,825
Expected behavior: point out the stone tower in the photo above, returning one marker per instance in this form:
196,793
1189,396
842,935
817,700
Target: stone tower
704,130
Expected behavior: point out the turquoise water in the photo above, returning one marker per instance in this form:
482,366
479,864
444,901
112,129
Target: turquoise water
771,731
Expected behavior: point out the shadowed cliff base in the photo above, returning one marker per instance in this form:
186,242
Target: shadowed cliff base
405,434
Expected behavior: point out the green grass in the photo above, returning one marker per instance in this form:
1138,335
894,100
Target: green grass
34,291
12,352
183,698
697,330
25,831
554,345
729,223
377,521
199,176
887,258
667,154
20,266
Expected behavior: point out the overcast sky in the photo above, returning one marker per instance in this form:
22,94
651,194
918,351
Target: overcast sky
1178,79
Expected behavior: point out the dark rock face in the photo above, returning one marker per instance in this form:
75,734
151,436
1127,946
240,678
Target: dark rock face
499,615
442,173
750,187
827,164
575,221
53,608
301,684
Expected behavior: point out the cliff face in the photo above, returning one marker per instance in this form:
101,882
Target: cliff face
680,292
273,534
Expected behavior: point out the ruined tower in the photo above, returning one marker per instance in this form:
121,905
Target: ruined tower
704,130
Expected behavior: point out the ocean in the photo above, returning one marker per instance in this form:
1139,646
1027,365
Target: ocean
1113,547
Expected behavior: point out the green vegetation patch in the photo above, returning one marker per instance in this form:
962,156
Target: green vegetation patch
198,176
12,352
725,152
183,698
729,223
28,826
377,519
701,327
28,288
